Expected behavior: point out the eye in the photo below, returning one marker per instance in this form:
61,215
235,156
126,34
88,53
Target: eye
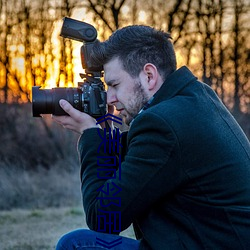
115,85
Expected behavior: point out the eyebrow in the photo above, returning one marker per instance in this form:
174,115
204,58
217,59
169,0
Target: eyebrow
110,82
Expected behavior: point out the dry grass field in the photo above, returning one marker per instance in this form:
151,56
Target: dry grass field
37,229
40,197
22,229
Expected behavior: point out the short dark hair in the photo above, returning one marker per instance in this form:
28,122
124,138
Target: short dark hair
135,46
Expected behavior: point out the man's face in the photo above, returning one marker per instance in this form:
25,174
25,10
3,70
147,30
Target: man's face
127,94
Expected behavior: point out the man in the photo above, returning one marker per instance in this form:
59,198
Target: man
185,171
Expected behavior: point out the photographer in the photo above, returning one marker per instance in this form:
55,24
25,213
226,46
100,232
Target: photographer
185,171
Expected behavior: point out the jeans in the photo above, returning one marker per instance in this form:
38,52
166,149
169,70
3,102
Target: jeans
89,240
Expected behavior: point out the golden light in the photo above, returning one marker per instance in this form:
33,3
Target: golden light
142,17
180,58
125,10
19,64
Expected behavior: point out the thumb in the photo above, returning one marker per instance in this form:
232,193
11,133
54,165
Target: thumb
66,106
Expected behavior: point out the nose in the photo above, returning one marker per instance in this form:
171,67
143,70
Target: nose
111,97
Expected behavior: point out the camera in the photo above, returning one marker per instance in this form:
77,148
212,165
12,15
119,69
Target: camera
90,97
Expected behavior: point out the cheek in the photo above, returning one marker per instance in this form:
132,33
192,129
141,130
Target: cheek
122,95
111,96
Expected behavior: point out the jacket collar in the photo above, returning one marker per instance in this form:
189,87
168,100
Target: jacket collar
173,84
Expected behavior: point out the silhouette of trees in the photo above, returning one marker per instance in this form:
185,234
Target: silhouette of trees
209,36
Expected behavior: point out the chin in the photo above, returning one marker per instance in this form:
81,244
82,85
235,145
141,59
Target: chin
127,120
124,119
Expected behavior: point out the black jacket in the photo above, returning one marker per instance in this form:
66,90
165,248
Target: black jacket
185,173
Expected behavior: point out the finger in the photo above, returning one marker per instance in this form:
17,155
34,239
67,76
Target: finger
68,108
76,120
67,122
61,118
58,119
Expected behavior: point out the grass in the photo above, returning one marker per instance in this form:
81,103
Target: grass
40,198
40,229
36,229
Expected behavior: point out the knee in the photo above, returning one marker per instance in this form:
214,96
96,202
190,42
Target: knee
69,240
63,242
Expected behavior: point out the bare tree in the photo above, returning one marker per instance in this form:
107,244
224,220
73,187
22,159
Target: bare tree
216,31
66,8
107,11
11,89
210,35
239,53
4,56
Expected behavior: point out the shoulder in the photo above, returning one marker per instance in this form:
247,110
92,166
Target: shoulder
164,112
172,118
151,126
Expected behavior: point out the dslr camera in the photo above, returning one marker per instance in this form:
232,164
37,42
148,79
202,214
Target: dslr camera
90,97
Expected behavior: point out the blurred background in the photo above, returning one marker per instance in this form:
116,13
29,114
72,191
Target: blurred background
38,160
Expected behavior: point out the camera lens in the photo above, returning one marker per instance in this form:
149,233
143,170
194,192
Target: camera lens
46,101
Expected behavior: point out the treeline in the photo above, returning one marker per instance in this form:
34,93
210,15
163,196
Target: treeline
211,37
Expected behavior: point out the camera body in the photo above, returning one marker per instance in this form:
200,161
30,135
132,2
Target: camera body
90,97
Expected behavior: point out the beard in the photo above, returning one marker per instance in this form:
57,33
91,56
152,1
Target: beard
135,103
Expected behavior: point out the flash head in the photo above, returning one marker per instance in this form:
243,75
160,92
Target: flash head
76,30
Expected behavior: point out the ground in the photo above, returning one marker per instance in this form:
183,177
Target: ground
40,229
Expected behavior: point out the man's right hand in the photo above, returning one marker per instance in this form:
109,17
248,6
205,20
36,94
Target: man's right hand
76,121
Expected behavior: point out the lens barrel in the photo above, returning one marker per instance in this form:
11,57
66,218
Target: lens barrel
46,101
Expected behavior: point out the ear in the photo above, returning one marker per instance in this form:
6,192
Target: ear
151,73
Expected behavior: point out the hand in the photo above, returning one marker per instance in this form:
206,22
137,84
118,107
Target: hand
76,121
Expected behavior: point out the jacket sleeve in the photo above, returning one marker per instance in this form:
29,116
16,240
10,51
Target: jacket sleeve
149,172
